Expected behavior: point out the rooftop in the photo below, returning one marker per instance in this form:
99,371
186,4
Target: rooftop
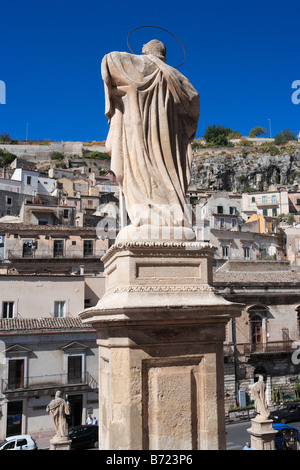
10,325
257,273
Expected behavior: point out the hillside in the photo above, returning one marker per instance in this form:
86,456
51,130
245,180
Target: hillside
245,169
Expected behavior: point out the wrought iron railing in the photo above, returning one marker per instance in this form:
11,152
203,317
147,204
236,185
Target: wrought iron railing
45,381
268,347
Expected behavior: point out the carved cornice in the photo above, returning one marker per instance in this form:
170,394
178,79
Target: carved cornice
168,289
163,247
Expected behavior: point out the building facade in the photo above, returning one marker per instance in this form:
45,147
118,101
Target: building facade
39,357
264,339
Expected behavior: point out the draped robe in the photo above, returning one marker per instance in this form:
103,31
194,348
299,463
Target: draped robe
153,112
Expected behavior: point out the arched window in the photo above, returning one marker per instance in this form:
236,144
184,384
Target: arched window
256,329
257,326
260,371
298,321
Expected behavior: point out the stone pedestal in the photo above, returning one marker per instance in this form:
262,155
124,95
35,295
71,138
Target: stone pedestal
262,434
160,331
60,445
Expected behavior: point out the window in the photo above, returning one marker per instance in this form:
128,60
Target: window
58,248
232,210
264,199
7,309
246,252
265,211
220,209
8,201
28,180
59,308
274,201
66,213
298,202
298,321
14,418
233,222
87,247
74,369
27,249
256,329
225,251
253,199
15,373
274,212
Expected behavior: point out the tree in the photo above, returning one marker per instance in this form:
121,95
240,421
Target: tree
285,136
5,137
6,158
217,135
257,131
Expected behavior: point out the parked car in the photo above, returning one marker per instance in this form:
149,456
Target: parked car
84,436
20,442
288,414
286,432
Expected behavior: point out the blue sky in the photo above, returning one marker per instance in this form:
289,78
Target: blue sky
242,57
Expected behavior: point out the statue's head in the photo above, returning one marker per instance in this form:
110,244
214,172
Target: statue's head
156,48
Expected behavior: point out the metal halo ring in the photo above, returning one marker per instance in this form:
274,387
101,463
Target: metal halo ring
151,26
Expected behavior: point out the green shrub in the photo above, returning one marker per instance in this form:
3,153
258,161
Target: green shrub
98,155
56,156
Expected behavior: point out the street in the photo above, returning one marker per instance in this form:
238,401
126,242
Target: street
237,435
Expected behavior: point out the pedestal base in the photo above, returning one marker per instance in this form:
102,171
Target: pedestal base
160,331
60,445
262,434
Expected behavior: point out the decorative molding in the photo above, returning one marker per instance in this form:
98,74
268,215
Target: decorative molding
185,247
160,289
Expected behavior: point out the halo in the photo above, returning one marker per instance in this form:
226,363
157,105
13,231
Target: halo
151,26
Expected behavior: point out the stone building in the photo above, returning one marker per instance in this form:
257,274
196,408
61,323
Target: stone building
220,221
292,243
264,338
266,203
39,357
52,248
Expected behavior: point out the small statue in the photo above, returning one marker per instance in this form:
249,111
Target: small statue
58,409
259,392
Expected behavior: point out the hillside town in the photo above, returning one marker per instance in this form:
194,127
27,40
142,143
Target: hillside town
60,211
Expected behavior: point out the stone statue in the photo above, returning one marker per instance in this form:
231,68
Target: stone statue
259,393
58,409
153,112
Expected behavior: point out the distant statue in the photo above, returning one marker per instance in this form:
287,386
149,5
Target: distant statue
260,402
153,112
58,409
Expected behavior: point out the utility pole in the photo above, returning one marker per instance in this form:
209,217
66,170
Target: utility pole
270,128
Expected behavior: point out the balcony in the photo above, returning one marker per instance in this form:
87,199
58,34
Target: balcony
268,202
63,382
49,254
245,349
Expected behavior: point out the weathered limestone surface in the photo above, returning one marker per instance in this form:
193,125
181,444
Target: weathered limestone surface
160,329
160,325
262,434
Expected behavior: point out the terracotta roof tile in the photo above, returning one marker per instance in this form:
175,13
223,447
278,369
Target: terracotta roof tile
42,324
248,277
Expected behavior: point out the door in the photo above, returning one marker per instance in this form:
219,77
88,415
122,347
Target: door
256,332
14,418
75,417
